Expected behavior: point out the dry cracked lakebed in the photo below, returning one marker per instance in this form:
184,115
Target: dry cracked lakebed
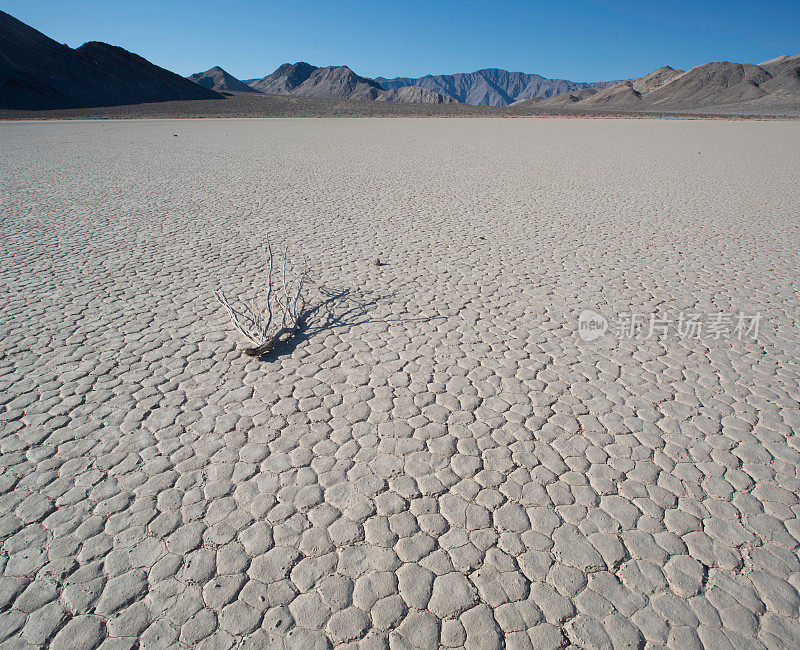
438,458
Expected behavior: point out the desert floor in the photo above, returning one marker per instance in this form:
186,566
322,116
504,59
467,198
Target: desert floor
439,458
251,105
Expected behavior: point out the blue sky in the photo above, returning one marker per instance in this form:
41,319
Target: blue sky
581,41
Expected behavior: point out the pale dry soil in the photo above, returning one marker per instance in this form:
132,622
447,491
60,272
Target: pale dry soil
438,459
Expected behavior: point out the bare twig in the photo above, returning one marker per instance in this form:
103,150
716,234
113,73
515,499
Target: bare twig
257,325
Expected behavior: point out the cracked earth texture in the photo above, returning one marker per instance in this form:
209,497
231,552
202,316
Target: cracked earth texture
438,460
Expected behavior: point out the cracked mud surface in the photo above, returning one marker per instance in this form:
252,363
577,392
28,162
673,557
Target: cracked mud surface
438,459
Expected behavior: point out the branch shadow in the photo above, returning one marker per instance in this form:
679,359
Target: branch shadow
337,308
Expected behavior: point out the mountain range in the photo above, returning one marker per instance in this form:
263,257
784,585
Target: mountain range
489,87
492,86
774,83
36,73
305,80
717,84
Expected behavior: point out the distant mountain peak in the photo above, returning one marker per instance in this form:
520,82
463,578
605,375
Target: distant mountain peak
217,79
285,79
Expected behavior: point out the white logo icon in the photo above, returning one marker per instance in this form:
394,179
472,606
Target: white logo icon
591,325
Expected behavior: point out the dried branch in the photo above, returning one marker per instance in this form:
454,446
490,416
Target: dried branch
257,325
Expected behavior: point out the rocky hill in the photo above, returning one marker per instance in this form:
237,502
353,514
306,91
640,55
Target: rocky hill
491,86
726,85
339,82
38,73
217,79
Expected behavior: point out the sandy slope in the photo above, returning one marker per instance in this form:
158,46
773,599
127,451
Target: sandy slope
439,459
